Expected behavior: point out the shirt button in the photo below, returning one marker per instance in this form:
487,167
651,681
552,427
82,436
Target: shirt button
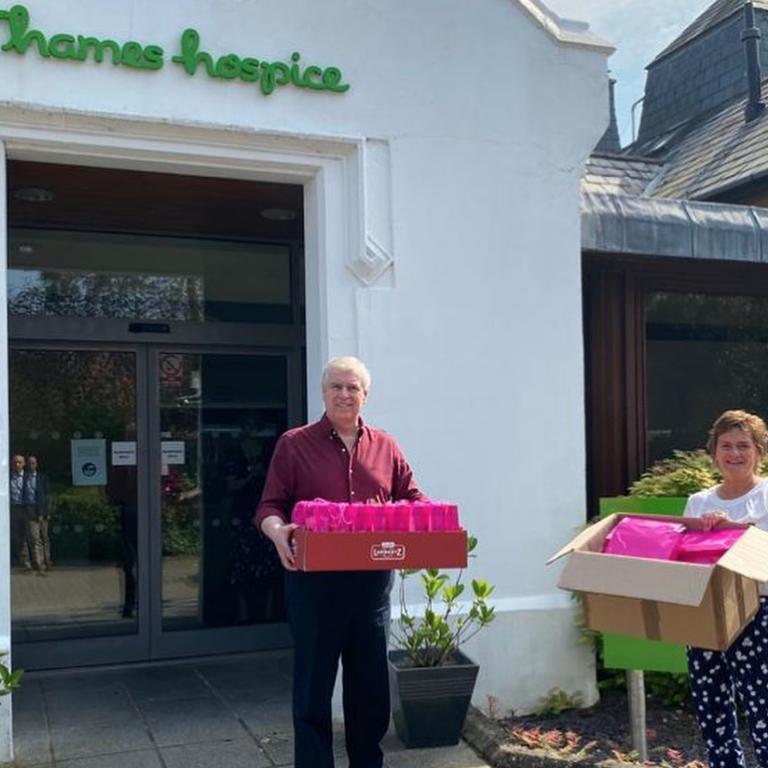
352,493
343,450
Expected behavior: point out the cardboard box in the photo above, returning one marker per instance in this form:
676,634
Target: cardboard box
700,605
380,551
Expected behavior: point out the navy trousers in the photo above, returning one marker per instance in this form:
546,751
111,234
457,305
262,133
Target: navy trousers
716,679
332,616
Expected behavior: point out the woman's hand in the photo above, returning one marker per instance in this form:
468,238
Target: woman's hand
713,519
281,535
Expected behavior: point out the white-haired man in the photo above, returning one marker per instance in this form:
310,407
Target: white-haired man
336,614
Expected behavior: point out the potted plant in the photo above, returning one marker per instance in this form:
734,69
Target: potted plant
431,680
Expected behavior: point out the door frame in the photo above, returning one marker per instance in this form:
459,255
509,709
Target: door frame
150,642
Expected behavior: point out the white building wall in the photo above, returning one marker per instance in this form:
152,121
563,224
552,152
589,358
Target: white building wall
477,117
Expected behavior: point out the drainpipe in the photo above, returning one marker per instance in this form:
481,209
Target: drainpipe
750,36
634,106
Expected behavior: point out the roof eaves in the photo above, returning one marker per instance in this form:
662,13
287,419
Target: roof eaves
672,227
705,192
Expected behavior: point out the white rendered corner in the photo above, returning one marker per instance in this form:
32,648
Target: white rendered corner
564,31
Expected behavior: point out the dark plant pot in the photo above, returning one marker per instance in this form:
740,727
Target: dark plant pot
429,704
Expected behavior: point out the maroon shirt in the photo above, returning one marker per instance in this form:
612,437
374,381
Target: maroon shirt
312,462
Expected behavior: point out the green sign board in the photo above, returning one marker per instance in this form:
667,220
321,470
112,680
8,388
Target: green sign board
268,75
620,652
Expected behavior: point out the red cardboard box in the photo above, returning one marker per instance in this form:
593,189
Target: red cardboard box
379,551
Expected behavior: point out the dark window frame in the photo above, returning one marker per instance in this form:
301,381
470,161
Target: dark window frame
614,289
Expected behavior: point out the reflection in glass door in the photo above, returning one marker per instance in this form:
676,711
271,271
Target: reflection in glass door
219,418
74,493
126,548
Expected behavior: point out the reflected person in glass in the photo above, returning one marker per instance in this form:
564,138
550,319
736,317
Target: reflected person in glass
36,503
19,542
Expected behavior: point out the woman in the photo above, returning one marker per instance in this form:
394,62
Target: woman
737,444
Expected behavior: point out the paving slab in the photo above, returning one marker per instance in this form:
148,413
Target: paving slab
36,765
146,686
71,681
191,721
93,740
240,753
145,758
460,756
266,722
262,717
279,747
32,747
93,706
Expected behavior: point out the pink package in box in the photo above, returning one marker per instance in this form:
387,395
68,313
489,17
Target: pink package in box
637,537
707,547
325,516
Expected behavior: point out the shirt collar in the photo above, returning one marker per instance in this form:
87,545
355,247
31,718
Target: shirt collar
327,427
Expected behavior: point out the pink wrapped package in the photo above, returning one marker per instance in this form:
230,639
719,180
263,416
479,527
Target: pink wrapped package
707,547
325,516
637,537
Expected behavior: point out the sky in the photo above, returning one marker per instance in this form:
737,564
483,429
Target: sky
639,29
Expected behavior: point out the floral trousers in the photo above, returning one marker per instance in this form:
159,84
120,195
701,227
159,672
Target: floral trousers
717,677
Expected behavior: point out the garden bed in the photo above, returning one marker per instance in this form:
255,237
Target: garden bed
599,735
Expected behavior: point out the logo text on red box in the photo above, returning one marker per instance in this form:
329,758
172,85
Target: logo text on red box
388,550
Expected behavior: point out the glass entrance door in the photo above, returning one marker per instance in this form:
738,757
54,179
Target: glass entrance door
137,472
75,510
218,417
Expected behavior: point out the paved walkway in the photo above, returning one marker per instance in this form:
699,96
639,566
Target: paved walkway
232,713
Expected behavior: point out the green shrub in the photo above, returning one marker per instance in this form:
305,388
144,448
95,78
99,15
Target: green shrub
670,689
83,525
686,472
683,474
181,534
558,701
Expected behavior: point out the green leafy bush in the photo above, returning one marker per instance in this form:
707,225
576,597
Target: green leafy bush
683,474
558,701
181,534
430,640
83,525
670,689
9,680
86,508
686,472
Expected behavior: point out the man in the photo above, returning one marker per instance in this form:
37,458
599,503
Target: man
19,513
337,614
35,494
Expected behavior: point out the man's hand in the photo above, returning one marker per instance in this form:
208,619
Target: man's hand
281,535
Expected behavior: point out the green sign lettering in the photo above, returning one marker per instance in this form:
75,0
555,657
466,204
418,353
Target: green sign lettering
270,75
